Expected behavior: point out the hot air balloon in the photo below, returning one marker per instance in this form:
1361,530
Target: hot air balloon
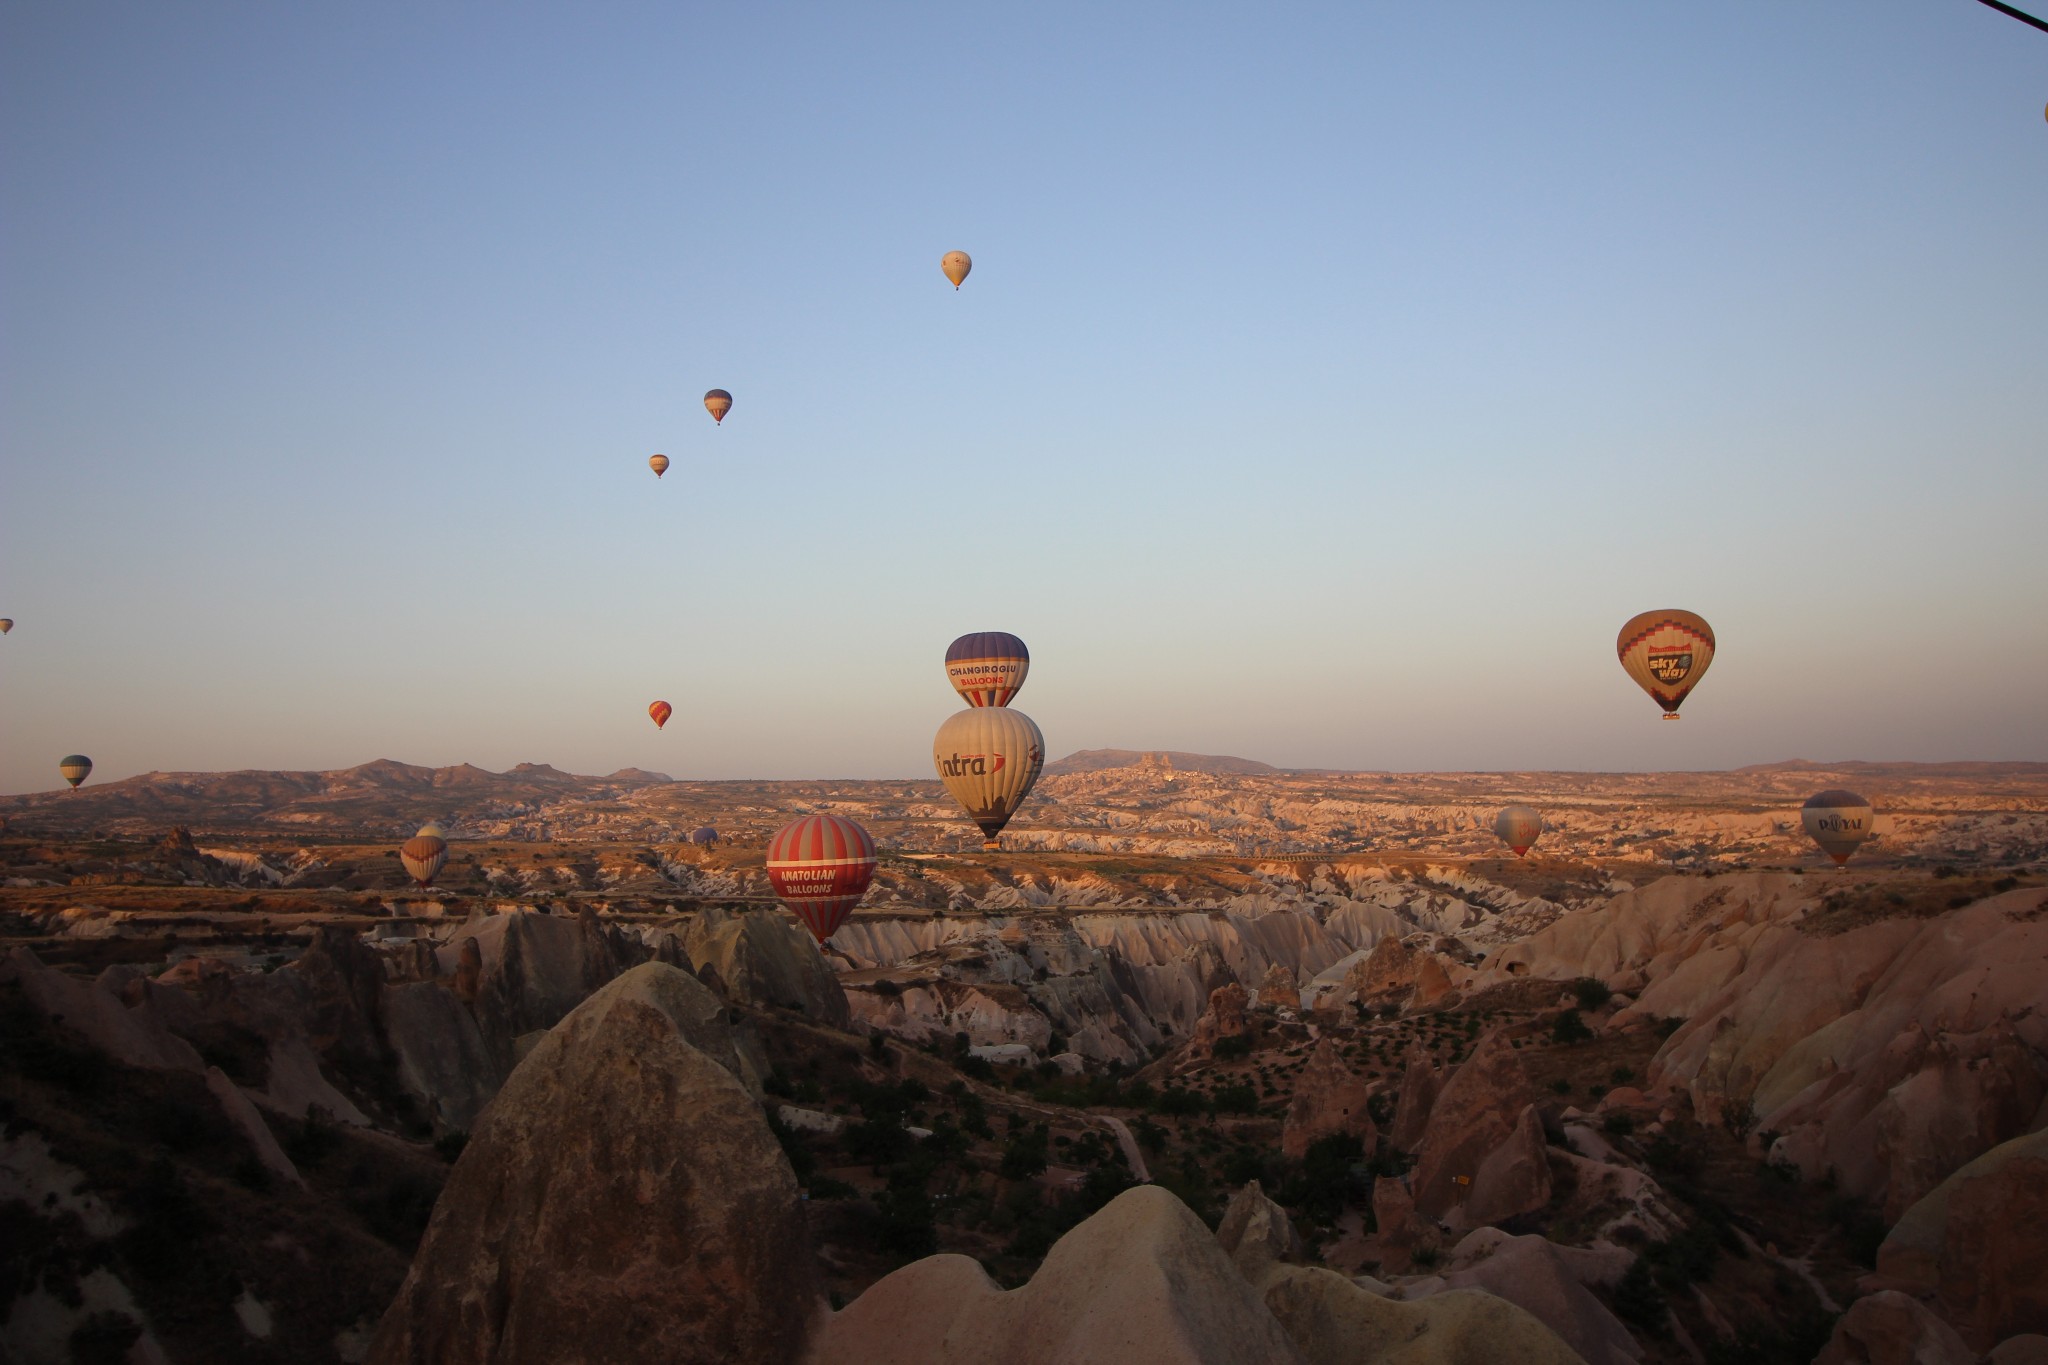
430,830
820,867
76,768
1518,827
705,835
988,667
659,464
423,855
6,624
956,264
1838,821
988,757
1667,653
661,711
718,403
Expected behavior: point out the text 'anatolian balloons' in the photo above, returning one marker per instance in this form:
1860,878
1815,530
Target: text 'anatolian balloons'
820,867
989,757
988,667
1667,653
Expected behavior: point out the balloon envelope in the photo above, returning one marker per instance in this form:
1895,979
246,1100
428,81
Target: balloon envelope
6,624
705,835
1667,653
1838,821
820,867
661,711
659,464
1518,827
718,403
956,264
988,667
75,767
431,829
989,757
423,855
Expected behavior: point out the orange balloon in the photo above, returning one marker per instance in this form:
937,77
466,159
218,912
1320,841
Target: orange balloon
659,464
661,711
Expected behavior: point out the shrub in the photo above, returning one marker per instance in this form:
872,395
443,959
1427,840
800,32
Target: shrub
1024,1155
1617,1124
1236,1099
1591,992
1233,1048
1569,1028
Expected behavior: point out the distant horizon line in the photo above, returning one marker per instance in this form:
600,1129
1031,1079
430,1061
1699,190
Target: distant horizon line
656,778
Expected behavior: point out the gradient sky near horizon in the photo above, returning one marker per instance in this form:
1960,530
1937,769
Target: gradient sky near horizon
1331,384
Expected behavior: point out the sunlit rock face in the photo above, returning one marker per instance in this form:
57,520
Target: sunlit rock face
622,1199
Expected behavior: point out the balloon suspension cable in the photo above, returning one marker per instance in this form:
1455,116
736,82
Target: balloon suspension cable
2020,15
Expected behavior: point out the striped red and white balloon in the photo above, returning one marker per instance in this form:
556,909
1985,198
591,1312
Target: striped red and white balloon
423,855
660,711
1667,653
1838,821
820,867
1519,827
987,667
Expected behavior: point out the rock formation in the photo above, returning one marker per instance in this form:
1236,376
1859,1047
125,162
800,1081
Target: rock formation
767,959
1549,1281
1279,989
1977,1244
1482,1157
1329,1097
1142,1282
1224,1019
622,1200
1421,1082
1893,1329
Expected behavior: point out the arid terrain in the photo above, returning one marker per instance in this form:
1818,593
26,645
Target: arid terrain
1307,1057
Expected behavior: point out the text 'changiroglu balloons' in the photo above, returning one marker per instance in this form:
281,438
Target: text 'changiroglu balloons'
423,855
820,867
1838,821
956,264
989,757
1519,827
661,711
718,403
988,667
76,768
1667,653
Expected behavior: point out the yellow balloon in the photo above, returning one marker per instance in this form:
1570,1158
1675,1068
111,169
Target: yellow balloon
956,264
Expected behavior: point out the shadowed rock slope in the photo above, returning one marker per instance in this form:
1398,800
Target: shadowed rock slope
622,1199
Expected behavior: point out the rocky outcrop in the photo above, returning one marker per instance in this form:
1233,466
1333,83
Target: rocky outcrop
1279,990
138,1037
1329,1098
1893,1329
1482,1155
1257,1234
1550,1282
1977,1244
622,1200
766,959
1224,1019
1140,1283
1386,975
1421,1082
1402,1231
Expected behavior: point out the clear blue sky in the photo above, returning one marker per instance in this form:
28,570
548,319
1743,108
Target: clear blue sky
1331,384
